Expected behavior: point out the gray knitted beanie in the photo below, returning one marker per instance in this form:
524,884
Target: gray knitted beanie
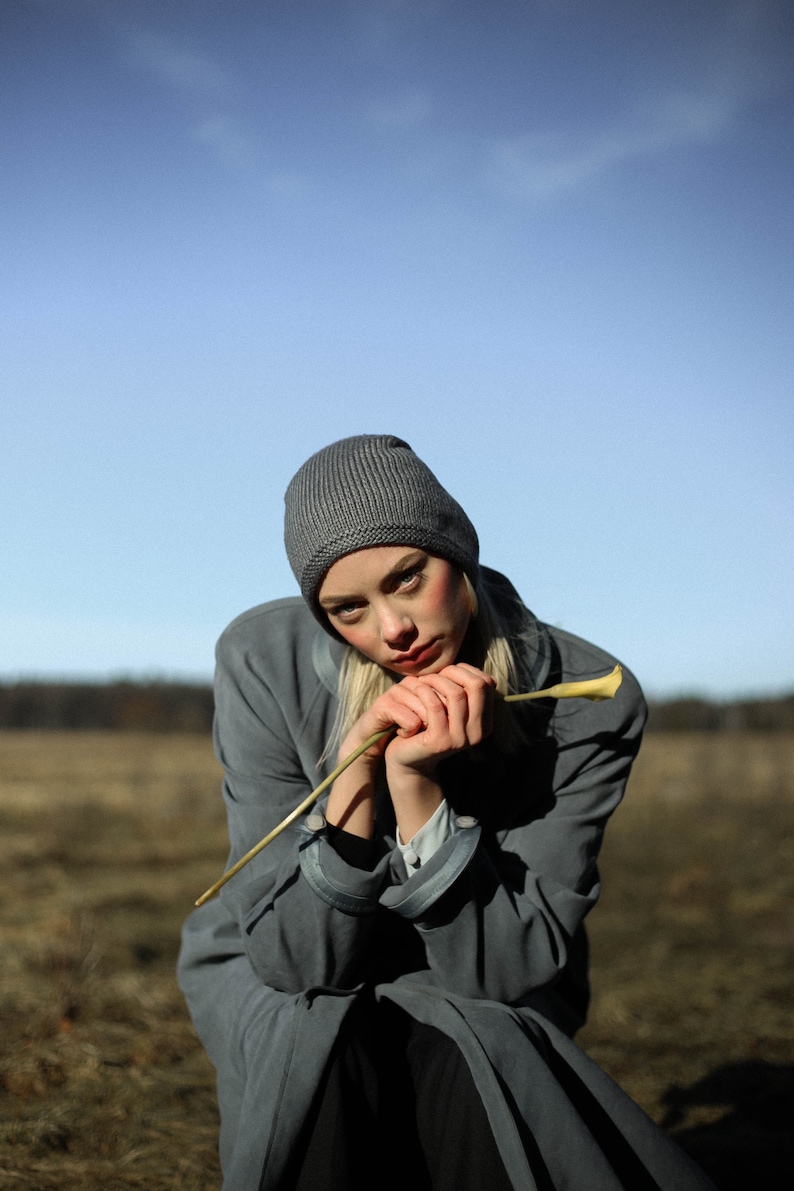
370,490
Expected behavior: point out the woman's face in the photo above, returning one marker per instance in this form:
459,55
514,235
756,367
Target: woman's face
405,609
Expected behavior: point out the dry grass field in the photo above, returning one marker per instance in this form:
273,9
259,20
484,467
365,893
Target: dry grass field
108,838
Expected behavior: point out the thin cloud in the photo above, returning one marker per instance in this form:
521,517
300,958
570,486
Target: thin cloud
180,67
198,76
232,145
537,166
745,62
286,185
228,141
404,110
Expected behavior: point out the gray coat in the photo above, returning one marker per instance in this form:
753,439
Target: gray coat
485,942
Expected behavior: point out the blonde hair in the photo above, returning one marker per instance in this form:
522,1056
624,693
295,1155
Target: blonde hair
487,646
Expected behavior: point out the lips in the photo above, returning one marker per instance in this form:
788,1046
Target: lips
416,656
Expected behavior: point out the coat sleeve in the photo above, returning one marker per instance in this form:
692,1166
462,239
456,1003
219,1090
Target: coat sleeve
294,938
498,911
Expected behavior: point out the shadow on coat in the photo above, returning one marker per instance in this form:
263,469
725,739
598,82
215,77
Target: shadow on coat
752,1145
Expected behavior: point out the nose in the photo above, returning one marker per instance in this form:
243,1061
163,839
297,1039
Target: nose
397,630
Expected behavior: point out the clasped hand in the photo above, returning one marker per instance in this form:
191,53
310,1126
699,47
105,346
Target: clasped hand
436,715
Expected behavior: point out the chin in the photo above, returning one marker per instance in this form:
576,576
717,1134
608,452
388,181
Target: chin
436,666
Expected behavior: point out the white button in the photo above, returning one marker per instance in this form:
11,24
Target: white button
315,822
410,857
466,821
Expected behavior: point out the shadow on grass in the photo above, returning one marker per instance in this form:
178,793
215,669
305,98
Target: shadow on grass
752,1144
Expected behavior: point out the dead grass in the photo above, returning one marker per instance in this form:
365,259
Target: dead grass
108,838
693,941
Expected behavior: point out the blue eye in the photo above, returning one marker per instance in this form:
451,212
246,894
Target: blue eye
345,609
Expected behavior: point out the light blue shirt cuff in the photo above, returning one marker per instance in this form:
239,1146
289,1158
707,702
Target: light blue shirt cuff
427,840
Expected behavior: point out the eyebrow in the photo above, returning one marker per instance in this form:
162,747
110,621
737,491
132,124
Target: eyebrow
403,564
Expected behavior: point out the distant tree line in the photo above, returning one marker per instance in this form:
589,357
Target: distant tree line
126,706
704,715
184,707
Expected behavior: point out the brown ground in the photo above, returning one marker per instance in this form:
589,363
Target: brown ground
107,839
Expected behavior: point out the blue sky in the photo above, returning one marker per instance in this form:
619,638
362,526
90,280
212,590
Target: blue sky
549,244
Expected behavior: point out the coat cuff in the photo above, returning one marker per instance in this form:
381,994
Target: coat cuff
413,899
354,850
352,890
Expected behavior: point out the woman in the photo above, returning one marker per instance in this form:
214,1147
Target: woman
407,968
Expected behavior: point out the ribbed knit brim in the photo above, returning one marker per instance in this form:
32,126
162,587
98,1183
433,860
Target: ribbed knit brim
370,490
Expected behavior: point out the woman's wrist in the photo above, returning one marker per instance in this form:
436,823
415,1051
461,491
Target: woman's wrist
351,801
415,796
366,761
353,741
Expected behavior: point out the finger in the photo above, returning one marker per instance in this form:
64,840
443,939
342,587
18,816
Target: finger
447,710
464,673
468,691
481,690
403,708
478,684
451,692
